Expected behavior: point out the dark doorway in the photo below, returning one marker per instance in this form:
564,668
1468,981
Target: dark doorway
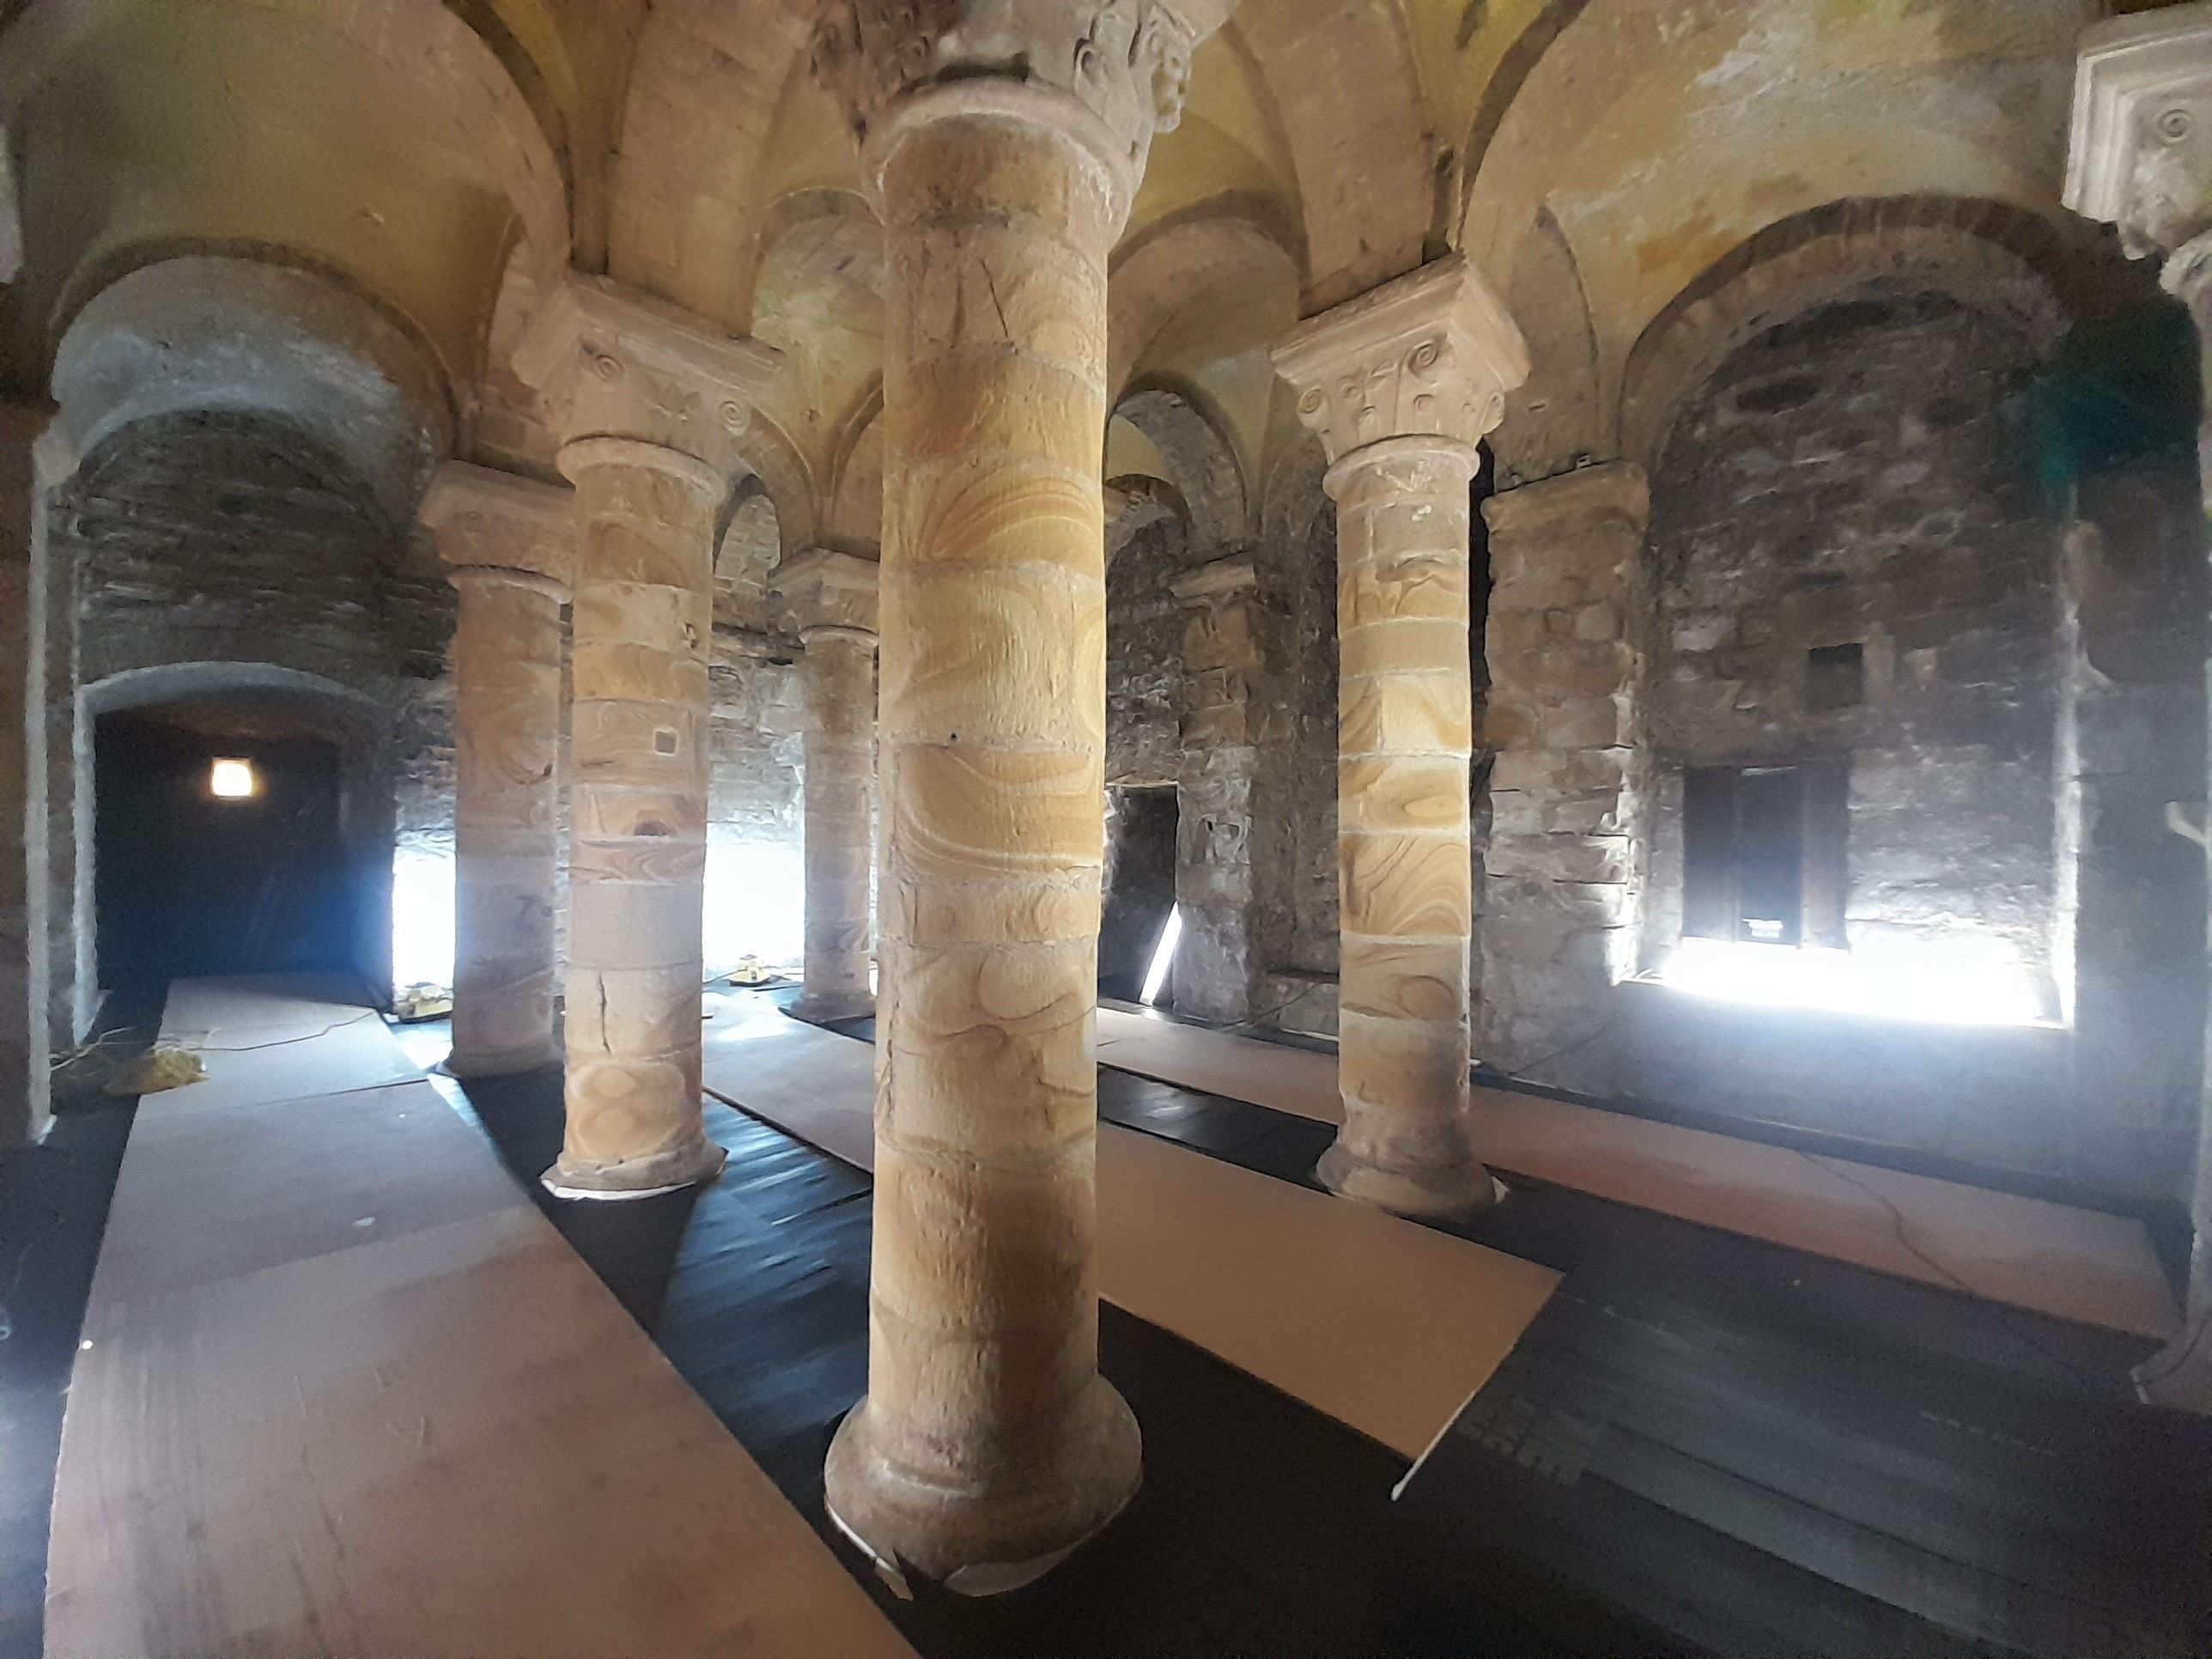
189,881
1140,887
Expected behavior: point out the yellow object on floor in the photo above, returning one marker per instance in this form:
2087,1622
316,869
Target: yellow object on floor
157,1070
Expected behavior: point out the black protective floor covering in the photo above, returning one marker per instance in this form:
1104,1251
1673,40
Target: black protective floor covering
54,1209
1760,1451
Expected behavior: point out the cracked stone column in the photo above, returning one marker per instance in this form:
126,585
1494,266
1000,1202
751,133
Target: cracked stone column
1226,652
1400,384
511,542
25,1044
832,597
1566,640
647,401
989,1446
2140,156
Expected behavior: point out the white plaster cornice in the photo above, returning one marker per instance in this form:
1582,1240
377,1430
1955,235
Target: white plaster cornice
482,517
1431,354
610,361
2139,154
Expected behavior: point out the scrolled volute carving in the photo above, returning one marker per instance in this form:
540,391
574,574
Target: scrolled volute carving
1432,353
608,361
1125,64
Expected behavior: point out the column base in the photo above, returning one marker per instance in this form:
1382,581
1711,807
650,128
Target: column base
507,1063
642,1177
984,1542
1452,1193
820,1010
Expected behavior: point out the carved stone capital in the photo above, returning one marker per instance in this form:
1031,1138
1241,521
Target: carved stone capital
1617,491
2140,152
610,361
1113,71
824,588
1431,354
481,517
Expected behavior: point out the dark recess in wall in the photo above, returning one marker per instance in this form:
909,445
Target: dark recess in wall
189,884
1140,887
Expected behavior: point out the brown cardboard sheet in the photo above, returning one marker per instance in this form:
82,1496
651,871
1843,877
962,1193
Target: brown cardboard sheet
1383,1325
2088,1266
437,1434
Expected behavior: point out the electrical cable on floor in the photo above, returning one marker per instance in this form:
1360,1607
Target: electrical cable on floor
1899,1227
280,1042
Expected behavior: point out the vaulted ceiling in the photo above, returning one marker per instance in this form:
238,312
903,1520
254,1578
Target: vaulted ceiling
1596,158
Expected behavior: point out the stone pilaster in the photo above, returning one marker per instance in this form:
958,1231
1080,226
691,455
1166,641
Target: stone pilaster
1003,141
1228,640
649,402
1565,645
832,599
2140,157
1401,384
511,544
25,1048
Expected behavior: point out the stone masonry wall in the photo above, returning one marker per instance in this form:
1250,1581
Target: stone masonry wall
755,887
1861,476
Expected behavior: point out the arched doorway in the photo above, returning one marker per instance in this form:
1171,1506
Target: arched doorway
241,825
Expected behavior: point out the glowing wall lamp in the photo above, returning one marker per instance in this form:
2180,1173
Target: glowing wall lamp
232,780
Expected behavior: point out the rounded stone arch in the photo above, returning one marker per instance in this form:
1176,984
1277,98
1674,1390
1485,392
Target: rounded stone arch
2014,266
1214,259
1366,185
748,550
1197,460
412,84
206,332
715,92
854,517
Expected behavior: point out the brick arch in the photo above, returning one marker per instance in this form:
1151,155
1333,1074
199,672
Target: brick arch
2015,266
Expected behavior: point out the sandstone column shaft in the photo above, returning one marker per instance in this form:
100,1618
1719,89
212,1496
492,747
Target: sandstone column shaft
984,1398
1400,383
840,763
643,618
652,403
507,717
1405,870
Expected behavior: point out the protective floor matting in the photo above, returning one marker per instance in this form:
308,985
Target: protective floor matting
2086,1265
1385,1326
344,1391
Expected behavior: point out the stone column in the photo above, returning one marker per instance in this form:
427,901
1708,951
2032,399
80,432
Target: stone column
647,401
1565,647
25,1048
511,542
1225,651
2140,156
989,1446
1401,383
832,599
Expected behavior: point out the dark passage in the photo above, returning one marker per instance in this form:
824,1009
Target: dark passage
190,884
1140,887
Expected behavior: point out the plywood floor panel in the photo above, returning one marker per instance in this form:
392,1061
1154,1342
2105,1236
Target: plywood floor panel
2086,1265
1384,1325
440,1437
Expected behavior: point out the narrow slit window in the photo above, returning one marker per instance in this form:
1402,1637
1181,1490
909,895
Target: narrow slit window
232,780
